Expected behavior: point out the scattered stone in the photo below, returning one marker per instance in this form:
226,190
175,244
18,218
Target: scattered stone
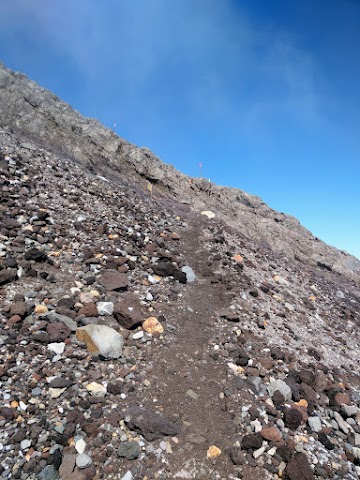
129,450
208,213
152,325
293,418
253,441
190,275
83,461
281,386
105,308
128,312
271,433
213,452
150,424
101,339
114,280
96,389
299,468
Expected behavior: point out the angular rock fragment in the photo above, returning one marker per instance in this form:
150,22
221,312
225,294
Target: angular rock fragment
128,311
102,340
114,280
150,424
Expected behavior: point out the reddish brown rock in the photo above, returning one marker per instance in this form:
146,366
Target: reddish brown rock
89,310
272,434
293,418
19,308
299,468
128,311
57,331
342,399
114,280
7,276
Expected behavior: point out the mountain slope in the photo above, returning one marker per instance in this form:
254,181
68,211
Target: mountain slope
258,357
42,117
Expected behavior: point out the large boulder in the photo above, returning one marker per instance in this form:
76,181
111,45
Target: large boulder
102,340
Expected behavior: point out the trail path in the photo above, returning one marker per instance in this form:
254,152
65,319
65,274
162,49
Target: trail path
182,365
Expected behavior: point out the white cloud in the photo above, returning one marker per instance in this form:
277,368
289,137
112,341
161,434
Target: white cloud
226,66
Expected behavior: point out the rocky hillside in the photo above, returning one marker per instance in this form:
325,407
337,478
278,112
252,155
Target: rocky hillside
40,116
141,339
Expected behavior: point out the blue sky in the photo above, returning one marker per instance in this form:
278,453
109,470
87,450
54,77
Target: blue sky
265,93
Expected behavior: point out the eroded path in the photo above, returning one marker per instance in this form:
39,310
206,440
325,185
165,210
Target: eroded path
186,382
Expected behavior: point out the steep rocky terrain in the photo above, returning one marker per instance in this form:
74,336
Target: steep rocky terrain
39,115
140,339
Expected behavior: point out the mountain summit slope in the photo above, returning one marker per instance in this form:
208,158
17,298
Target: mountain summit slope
39,115
142,340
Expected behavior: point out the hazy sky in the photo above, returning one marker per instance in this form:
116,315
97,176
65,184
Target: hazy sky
265,93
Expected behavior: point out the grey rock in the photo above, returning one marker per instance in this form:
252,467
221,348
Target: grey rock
128,476
129,450
24,444
281,386
315,424
49,473
83,461
190,275
56,317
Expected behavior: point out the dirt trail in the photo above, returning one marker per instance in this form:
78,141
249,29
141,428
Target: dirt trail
182,364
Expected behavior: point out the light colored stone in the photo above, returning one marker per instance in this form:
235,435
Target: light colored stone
208,213
96,389
57,348
128,476
190,393
315,424
213,452
280,280
83,461
40,309
138,335
152,325
281,386
190,275
105,308
80,445
24,444
259,452
56,392
101,339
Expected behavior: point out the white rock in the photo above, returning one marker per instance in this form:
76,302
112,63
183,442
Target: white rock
152,279
105,308
259,452
208,214
86,297
80,445
149,297
138,335
272,451
128,476
57,348
190,275
108,341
